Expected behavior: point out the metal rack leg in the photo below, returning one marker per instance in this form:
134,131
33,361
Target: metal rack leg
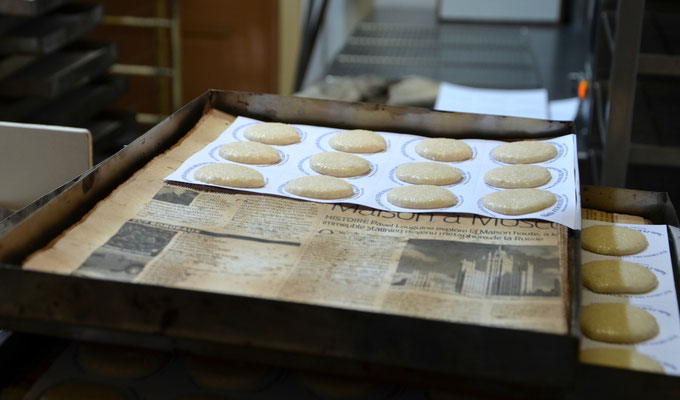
629,15
176,46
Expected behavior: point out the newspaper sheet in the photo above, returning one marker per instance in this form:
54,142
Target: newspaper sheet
453,267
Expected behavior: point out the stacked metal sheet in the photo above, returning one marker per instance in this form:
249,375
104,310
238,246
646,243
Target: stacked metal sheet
48,73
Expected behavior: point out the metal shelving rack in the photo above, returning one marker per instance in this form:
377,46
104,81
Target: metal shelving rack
161,70
619,63
48,73
470,54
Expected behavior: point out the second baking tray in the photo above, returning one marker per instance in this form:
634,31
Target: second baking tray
597,382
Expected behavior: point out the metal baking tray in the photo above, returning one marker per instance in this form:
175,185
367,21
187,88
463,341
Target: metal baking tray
380,346
50,32
17,110
72,109
13,63
77,107
594,382
55,74
28,7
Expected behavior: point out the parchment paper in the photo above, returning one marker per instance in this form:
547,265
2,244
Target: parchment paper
371,189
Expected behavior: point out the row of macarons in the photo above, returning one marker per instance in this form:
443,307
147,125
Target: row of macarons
617,323
361,141
416,196
344,165
421,195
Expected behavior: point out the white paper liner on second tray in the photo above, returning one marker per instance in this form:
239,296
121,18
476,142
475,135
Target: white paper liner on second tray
662,302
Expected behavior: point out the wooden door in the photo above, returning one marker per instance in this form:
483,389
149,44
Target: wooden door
224,45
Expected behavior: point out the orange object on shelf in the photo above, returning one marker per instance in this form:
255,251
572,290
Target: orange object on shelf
582,89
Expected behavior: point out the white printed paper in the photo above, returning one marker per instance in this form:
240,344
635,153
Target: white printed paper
530,103
661,302
564,109
371,189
